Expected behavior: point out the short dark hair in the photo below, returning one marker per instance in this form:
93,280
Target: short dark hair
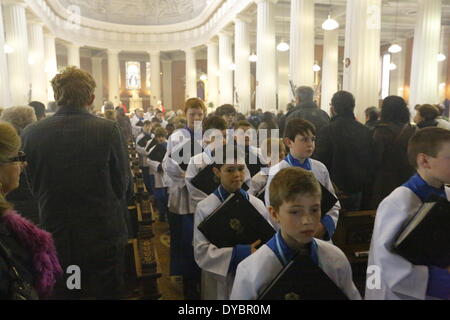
395,110
373,113
428,112
225,110
343,103
39,108
298,127
305,94
147,123
428,141
214,122
160,132
242,123
238,154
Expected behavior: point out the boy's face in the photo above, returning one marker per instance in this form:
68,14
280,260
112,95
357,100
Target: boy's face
299,219
231,176
439,167
193,115
147,128
229,119
303,147
160,139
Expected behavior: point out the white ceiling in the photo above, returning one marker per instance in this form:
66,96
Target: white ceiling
137,12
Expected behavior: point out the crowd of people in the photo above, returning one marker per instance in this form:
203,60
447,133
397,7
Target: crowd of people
65,181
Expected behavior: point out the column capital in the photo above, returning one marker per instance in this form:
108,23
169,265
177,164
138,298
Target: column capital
154,53
20,3
242,18
35,21
189,50
265,1
212,42
111,51
73,45
224,33
49,36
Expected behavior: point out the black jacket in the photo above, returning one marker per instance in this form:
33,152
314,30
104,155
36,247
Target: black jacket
344,146
78,171
307,111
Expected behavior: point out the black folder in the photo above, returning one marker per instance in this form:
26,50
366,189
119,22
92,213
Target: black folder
204,180
253,167
150,145
425,239
235,222
301,279
139,124
158,153
328,200
144,141
179,150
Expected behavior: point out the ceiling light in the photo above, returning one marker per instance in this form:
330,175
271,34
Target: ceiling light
316,68
441,57
330,24
203,77
392,67
395,48
283,46
253,58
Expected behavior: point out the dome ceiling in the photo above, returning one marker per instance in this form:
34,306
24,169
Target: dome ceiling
137,12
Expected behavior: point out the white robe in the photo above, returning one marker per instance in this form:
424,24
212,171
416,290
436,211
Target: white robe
259,182
320,172
215,262
400,280
256,272
159,176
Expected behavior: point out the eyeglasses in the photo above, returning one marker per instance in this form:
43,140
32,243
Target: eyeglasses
21,157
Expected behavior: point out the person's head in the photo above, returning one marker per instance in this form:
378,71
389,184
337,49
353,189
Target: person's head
139,113
110,115
395,110
109,106
39,109
273,145
300,138
11,162
343,103
194,110
147,128
228,113
159,115
212,126
160,135
20,117
230,168
429,153
120,113
426,112
295,196
74,88
243,128
170,128
372,114
304,94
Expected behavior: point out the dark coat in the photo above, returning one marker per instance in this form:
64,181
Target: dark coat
307,111
23,201
345,147
78,171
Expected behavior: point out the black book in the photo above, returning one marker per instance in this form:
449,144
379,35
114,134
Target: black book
262,195
253,162
139,124
328,200
150,145
235,222
158,152
144,141
195,148
301,279
204,180
425,239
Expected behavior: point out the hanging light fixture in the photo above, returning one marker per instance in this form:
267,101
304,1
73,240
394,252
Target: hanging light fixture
283,46
392,66
253,58
330,24
7,48
441,57
203,77
316,67
395,48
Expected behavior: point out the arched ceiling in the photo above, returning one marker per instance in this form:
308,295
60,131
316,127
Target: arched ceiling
137,12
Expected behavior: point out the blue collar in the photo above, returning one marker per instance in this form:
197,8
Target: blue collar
422,189
296,163
285,254
223,194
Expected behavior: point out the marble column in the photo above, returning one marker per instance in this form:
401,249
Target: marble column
330,67
51,67
167,84
113,76
191,73
362,68
17,37
73,55
302,43
155,67
398,75
226,74
424,70
5,94
97,74
266,73
242,73
36,51
213,72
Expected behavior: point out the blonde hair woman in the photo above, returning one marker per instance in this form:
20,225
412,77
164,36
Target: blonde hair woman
23,246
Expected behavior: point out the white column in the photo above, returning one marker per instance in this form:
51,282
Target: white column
242,73
444,65
113,76
330,67
73,55
37,61
5,94
424,70
191,73
226,74
362,53
97,74
284,89
51,68
16,36
155,67
302,43
266,73
398,75
213,73
167,84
